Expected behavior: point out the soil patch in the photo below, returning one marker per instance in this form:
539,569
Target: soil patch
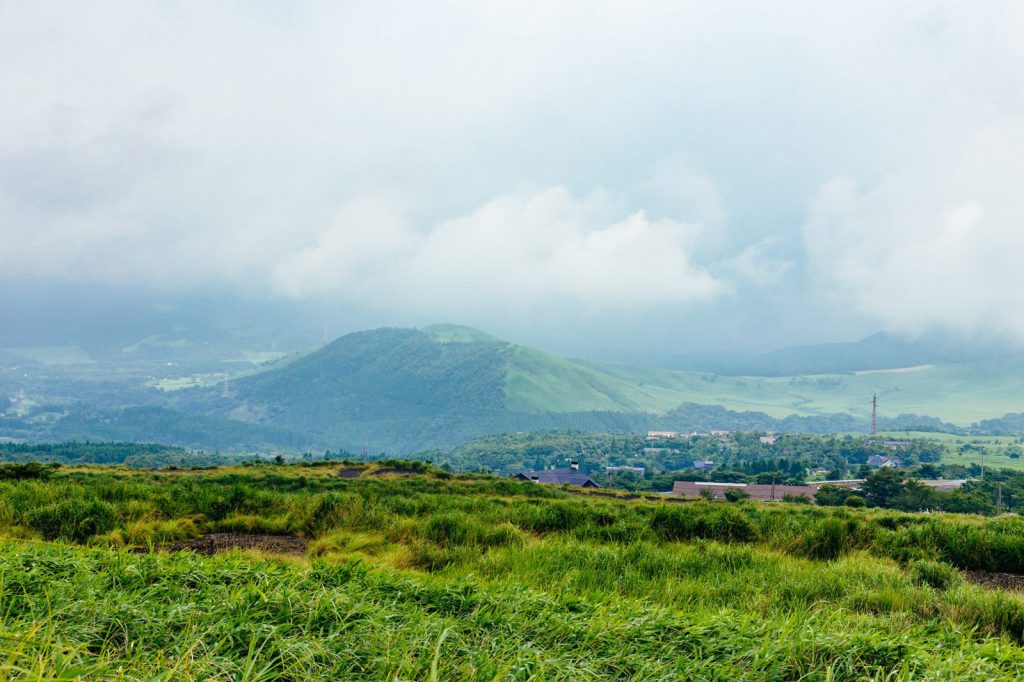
1004,581
393,470
350,473
212,543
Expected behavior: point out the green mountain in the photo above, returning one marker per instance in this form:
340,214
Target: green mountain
403,390
407,389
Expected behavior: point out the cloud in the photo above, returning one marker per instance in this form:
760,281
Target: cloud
757,265
520,252
936,244
370,152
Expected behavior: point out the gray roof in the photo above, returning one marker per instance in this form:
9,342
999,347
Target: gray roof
560,477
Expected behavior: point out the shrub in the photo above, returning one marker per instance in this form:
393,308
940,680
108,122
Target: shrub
72,519
827,539
855,501
28,470
736,494
937,574
707,521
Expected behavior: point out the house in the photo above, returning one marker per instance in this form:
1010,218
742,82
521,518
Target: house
658,451
639,471
883,462
703,465
568,476
721,434
655,435
768,440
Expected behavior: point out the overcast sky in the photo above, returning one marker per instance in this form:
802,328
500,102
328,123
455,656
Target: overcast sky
585,176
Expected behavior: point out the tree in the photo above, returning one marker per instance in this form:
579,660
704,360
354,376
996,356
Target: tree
736,494
830,495
883,487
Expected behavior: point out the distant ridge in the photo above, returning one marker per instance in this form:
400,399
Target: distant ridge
875,352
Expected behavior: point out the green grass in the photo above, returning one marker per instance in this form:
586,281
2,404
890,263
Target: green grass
994,452
434,576
519,379
957,393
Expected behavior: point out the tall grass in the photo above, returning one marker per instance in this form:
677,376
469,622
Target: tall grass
467,577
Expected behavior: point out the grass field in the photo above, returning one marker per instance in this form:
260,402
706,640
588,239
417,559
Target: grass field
960,393
992,452
425,575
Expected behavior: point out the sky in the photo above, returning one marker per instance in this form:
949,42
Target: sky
596,178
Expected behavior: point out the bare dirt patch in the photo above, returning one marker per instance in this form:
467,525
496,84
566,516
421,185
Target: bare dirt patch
350,473
212,543
401,472
1003,581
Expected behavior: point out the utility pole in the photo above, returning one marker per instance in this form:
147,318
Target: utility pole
999,499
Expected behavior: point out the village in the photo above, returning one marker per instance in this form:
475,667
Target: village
774,491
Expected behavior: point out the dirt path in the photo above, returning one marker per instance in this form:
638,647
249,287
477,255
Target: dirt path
1004,581
212,543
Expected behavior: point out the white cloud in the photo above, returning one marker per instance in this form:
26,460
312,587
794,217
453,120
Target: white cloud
205,147
758,265
938,243
520,252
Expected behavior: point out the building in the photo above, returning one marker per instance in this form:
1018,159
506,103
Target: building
768,440
883,462
770,493
658,451
756,491
568,476
943,485
655,435
639,471
703,465
721,434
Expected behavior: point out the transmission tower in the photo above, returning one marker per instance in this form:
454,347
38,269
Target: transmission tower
874,415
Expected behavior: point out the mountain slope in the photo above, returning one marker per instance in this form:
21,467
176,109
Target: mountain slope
878,351
404,389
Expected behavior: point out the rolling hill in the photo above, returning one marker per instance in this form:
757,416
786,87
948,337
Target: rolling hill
405,389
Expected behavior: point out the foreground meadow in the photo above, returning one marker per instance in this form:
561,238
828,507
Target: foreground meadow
425,575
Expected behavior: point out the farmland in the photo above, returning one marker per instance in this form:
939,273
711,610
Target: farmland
426,575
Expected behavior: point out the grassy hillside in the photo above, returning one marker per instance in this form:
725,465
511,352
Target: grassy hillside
427,576
410,373
404,390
